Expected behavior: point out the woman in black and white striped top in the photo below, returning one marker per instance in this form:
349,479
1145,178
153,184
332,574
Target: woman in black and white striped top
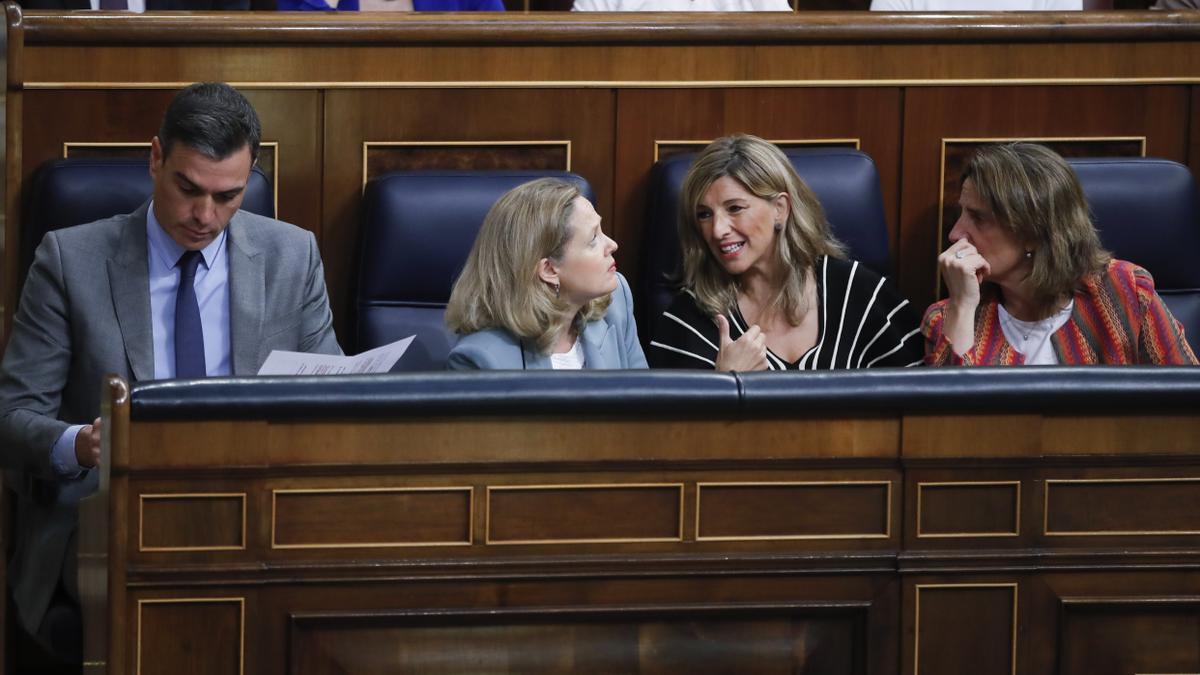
766,285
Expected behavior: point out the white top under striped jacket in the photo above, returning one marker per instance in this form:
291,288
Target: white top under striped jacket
863,323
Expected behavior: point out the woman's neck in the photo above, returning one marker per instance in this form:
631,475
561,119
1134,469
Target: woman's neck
565,339
1020,302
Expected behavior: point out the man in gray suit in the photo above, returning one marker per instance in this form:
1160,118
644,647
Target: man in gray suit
106,297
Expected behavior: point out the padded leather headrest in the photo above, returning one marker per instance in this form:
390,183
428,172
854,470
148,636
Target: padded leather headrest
844,180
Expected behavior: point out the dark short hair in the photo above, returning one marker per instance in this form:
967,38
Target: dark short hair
212,118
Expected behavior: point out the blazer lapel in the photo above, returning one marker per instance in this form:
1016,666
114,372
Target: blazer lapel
533,360
599,346
247,297
128,279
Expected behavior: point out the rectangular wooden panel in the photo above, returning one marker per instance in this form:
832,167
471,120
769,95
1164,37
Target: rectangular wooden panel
765,640
969,509
1122,506
192,522
191,636
584,513
960,624
371,517
1116,638
811,510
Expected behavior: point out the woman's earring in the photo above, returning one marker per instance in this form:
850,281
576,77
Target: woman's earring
779,227
556,290
1028,254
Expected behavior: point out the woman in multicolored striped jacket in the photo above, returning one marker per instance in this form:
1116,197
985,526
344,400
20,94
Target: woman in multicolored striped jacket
1029,282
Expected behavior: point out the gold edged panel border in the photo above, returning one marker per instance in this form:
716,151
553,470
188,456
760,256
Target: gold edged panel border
631,84
953,535
143,497
917,616
367,145
1107,533
790,142
469,490
67,145
796,537
487,517
941,215
240,601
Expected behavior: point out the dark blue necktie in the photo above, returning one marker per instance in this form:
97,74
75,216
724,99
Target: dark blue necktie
189,334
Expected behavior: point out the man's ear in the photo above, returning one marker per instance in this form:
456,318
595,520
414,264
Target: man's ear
156,157
547,271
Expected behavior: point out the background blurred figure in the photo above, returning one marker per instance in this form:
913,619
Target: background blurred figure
1029,282
540,288
765,283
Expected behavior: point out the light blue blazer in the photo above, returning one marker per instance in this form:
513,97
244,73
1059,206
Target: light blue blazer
609,343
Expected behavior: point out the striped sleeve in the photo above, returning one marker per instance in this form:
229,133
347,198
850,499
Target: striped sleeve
683,337
1161,340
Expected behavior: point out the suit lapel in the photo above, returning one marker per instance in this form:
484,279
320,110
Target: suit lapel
247,297
128,279
599,350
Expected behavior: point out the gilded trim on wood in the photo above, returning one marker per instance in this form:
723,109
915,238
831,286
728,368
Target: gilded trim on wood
241,603
1106,533
887,533
367,145
487,518
917,618
142,548
951,535
470,491
791,142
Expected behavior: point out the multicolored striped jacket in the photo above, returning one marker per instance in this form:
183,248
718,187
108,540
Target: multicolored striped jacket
1117,319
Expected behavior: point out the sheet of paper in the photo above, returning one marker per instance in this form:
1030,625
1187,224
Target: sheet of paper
378,360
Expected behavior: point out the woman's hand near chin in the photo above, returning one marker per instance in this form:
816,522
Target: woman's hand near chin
963,270
749,352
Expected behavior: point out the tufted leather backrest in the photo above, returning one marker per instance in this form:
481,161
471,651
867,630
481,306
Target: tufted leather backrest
1148,212
417,229
70,192
844,180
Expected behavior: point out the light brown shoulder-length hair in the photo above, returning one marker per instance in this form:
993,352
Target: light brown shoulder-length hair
764,171
499,286
1035,194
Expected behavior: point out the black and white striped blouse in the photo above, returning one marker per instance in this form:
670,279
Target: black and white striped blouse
863,323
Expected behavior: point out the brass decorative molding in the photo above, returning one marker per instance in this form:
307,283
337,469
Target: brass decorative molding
921,485
1050,140
239,601
367,146
1050,482
492,489
468,490
143,498
887,532
965,586
789,143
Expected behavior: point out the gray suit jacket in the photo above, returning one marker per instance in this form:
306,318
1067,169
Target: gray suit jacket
84,313
609,343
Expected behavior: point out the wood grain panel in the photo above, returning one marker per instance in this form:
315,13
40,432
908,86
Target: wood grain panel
180,522
961,624
1119,434
1116,638
934,113
1122,506
370,517
968,509
929,436
793,511
582,117
764,640
584,513
869,115
190,636
464,156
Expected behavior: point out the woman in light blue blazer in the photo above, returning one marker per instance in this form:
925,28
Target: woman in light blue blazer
540,288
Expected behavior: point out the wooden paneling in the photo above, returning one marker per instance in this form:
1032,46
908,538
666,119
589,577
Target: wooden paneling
869,115
584,513
968,509
960,624
370,517
190,522
843,510
190,636
774,640
1117,637
1123,506
478,118
934,114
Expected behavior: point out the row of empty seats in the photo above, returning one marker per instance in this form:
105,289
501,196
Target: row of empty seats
417,228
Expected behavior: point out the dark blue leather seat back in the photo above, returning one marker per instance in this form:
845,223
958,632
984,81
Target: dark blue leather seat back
70,192
1148,212
844,180
417,229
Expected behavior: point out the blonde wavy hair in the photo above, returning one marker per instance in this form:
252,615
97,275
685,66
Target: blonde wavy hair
764,171
1035,194
499,286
